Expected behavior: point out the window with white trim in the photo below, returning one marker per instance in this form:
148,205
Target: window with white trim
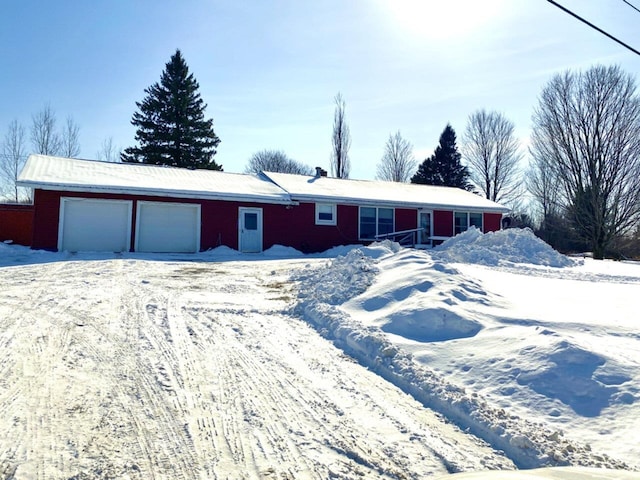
475,220
463,220
326,214
375,221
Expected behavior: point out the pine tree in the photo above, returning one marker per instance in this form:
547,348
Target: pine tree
172,129
444,166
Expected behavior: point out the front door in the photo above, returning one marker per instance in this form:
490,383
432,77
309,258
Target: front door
250,230
424,222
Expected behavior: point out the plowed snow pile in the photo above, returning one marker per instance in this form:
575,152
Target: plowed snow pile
499,248
518,345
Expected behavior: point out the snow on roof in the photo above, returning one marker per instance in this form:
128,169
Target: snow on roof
67,174
378,193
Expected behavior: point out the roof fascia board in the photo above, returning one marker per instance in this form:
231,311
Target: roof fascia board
234,197
398,204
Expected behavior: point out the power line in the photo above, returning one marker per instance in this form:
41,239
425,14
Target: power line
594,27
631,5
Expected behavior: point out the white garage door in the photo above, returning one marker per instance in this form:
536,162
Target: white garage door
92,225
167,227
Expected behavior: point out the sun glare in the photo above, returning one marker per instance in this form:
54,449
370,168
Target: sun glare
443,19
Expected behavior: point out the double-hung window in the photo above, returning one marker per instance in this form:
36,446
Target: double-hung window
463,220
326,214
475,220
375,221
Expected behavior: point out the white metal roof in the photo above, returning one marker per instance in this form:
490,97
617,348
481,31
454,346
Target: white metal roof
377,193
67,174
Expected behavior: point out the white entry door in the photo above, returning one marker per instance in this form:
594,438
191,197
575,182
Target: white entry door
424,222
250,230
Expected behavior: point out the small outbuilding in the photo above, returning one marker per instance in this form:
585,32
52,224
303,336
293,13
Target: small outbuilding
84,205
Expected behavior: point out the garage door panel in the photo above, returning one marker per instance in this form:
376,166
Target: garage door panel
167,227
94,225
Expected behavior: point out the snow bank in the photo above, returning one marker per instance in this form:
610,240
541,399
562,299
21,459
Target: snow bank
513,245
12,255
528,444
565,371
374,250
280,251
431,325
557,473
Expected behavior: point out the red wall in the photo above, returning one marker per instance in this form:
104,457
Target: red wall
283,225
295,227
492,222
16,223
219,219
406,219
442,223
292,226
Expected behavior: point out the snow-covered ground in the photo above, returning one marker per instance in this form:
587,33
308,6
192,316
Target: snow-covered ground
541,361
491,352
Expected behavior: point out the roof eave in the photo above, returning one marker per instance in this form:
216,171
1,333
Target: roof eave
397,204
198,195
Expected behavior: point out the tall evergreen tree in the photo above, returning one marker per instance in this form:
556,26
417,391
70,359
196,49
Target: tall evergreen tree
444,167
172,129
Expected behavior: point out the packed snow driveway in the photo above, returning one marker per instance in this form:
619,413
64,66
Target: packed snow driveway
142,368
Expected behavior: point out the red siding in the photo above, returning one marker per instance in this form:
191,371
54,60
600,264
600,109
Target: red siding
292,226
219,219
406,219
492,222
442,223
16,223
45,219
296,227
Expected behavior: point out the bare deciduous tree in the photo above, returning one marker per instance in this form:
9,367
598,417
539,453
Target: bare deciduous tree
276,161
47,140
542,186
397,163
585,134
70,139
108,151
340,140
44,137
12,158
492,153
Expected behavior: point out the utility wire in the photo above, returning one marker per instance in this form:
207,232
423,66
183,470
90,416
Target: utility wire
594,27
631,5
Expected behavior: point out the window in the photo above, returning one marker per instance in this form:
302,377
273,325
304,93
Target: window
375,221
460,222
326,214
250,221
385,220
463,220
475,220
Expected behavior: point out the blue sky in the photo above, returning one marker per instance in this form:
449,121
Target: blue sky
269,70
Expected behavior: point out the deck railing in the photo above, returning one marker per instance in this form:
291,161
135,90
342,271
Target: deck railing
403,237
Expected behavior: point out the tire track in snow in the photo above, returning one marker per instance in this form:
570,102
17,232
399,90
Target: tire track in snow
144,395
25,369
249,403
191,370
